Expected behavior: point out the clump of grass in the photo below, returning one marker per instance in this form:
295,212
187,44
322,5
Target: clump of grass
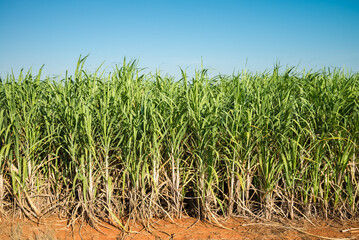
129,145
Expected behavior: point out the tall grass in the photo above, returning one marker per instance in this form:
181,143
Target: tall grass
135,146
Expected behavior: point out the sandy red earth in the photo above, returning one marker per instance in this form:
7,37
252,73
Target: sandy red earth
53,228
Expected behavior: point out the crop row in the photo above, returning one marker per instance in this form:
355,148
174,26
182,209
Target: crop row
128,145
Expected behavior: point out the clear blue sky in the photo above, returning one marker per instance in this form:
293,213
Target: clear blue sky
167,34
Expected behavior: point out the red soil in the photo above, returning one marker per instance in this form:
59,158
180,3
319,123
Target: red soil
180,229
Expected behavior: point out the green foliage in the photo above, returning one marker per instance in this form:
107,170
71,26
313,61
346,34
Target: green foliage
132,145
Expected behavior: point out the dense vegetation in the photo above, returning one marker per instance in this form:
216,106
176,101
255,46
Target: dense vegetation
133,145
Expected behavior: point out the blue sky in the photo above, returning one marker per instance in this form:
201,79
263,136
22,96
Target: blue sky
228,35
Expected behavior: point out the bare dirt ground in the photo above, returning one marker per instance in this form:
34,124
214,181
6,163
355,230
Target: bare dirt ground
53,228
